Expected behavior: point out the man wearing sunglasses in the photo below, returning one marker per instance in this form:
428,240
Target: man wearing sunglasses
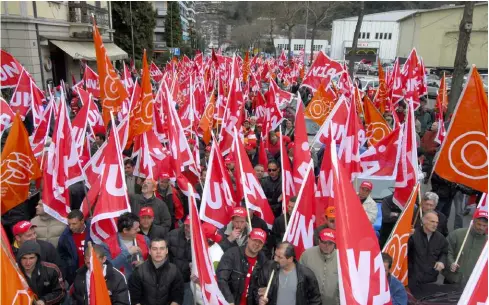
272,187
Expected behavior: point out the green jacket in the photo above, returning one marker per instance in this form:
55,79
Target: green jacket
470,254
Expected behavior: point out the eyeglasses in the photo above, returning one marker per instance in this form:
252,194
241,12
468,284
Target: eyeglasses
272,169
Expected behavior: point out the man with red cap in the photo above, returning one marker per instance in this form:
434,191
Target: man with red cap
238,266
330,222
322,260
147,227
459,273
369,205
205,160
252,153
164,191
235,234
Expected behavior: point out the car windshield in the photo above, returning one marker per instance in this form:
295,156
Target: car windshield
311,127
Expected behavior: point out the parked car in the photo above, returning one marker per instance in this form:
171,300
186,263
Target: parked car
373,69
433,87
369,82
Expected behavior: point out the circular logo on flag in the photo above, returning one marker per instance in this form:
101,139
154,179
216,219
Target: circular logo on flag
376,131
318,109
467,155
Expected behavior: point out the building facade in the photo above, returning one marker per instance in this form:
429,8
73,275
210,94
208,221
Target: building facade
282,43
379,36
434,33
187,19
49,38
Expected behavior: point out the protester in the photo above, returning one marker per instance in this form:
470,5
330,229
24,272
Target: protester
273,145
293,283
47,227
237,267
272,187
127,249
396,288
114,279
259,172
424,115
429,144
133,187
252,153
279,225
427,254
429,203
390,215
330,222
148,199
99,140
180,254
235,234
147,226
322,260
369,205
459,272
165,193
44,279
156,281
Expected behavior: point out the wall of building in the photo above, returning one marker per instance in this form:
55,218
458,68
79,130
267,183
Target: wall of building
298,44
434,34
343,31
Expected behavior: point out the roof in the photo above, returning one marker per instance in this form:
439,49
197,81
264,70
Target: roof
445,7
391,16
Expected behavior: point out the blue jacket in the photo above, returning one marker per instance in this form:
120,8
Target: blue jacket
398,292
68,254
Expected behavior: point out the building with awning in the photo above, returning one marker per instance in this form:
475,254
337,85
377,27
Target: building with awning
51,38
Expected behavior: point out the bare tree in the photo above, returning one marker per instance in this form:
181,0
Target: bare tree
319,13
461,63
288,17
247,35
351,64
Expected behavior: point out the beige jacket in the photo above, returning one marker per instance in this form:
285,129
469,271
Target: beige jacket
370,207
48,228
325,268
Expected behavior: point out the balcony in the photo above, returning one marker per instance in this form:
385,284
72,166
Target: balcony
82,12
161,12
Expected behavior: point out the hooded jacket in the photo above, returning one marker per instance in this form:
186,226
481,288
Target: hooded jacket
46,280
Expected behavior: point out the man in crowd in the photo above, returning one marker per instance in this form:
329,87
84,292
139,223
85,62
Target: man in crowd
424,115
322,260
127,248
180,254
252,153
99,140
429,203
330,222
272,187
156,281
459,272
427,254
133,187
390,215
369,205
293,283
44,278
235,234
398,292
259,172
46,226
278,228
72,243
115,280
147,226
165,192
237,266
24,231
273,145
148,199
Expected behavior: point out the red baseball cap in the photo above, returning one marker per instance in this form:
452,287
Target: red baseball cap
21,227
239,212
367,184
146,211
164,176
258,234
480,214
187,220
228,159
191,141
327,235
210,232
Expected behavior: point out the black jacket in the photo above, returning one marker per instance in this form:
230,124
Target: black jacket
167,198
155,231
48,253
231,273
116,284
151,286
273,190
422,256
442,222
160,209
179,252
388,222
307,285
278,231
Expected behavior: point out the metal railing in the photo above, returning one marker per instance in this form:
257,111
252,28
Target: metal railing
81,12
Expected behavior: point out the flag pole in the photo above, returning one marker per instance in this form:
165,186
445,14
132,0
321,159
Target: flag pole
284,202
269,283
463,243
247,202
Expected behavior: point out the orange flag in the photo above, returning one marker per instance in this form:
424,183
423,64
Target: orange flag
206,121
112,91
381,99
246,67
15,290
99,294
396,246
463,154
442,98
376,126
18,167
358,102
320,106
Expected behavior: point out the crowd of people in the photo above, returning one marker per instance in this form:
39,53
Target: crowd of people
149,261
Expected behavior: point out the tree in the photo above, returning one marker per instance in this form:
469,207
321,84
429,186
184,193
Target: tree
351,63
461,63
289,17
143,22
319,13
173,25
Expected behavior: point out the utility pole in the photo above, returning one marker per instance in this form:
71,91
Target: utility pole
305,35
132,30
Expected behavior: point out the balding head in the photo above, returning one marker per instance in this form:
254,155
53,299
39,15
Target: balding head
430,222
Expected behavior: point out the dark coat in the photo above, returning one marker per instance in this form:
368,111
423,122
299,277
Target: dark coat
231,273
151,286
442,222
116,284
167,198
155,231
179,252
278,231
48,252
307,285
388,221
273,190
160,209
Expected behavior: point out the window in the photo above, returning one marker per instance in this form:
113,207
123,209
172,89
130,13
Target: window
390,36
298,47
376,35
317,47
381,35
368,35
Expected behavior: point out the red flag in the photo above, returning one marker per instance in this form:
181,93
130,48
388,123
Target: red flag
127,78
217,199
288,185
10,70
248,186
151,154
324,192
95,121
21,98
155,72
37,102
97,291
282,98
302,156
322,71
40,134
262,154
361,273
300,228
475,292
441,105
396,85
91,80
6,115
410,79
335,124
481,210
